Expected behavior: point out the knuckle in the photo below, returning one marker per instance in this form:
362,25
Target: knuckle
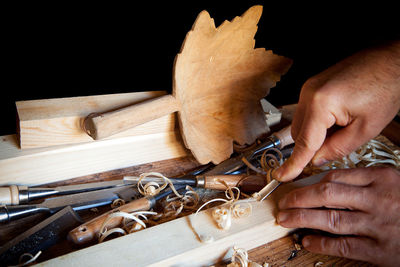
326,191
338,149
334,221
344,247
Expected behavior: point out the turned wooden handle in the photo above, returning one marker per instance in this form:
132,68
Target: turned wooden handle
285,136
10,195
244,181
101,125
89,230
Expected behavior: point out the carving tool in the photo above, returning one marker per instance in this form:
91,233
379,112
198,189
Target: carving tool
78,201
15,194
278,140
40,237
247,183
271,186
89,230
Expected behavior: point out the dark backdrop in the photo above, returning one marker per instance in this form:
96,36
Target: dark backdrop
68,50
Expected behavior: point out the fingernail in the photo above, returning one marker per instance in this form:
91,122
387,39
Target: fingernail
282,217
319,162
306,242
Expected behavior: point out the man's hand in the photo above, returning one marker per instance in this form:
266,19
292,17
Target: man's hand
360,93
362,204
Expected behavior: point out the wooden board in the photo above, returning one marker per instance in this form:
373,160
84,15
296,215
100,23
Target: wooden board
46,165
175,244
58,121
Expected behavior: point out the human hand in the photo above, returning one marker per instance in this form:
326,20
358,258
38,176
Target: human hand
360,93
362,204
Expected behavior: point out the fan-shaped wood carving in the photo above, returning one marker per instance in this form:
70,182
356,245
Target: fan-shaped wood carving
219,79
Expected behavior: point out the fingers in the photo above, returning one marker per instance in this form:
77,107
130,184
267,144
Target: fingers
357,177
307,142
329,195
357,248
343,142
332,221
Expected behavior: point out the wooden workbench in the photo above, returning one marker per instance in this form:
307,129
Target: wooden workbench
275,253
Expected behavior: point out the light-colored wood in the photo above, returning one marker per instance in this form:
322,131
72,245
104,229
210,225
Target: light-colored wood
219,79
244,181
285,136
90,230
46,165
120,120
58,121
175,244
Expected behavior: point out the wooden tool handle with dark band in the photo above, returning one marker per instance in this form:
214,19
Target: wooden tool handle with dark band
89,230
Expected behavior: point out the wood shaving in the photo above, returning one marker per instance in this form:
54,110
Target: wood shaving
153,188
128,226
240,258
318,264
372,153
30,260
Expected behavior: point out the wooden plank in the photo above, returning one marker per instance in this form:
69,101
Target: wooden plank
46,165
58,121
174,243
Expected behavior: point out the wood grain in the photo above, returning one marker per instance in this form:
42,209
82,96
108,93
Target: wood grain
218,81
46,165
51,122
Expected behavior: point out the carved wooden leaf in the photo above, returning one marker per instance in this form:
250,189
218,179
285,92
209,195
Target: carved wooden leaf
219,79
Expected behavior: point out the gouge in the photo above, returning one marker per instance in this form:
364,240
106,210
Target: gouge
78,201
16,194
279,140
89,230
247,183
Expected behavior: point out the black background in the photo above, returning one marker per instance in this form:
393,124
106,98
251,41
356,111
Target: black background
70,49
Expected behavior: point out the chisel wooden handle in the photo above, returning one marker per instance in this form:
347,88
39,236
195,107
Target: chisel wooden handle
88,231
244,181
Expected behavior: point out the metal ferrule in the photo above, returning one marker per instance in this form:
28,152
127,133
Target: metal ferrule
23,194
272,141
200,181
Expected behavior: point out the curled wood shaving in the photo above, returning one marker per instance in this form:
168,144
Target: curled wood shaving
117,203
135,218
240,258
28,261
372,153
153,188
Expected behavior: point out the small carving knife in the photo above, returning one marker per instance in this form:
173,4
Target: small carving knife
77,201
16,195
89,230
268,189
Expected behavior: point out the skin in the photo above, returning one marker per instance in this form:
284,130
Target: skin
359,95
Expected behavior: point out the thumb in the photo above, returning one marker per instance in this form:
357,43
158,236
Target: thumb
343,142
309,140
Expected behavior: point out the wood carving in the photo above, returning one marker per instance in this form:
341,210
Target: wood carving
219,79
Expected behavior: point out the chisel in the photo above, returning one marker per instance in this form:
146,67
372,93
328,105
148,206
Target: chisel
16,195
78,201
247,183
89,230
279,140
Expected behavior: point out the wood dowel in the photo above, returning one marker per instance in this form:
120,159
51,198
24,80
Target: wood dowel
102,125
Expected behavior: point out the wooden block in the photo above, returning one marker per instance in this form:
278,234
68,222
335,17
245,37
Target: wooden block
46,165
175,244
58,121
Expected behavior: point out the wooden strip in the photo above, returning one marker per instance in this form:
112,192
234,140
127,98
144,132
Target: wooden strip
58,121
46,165
175,244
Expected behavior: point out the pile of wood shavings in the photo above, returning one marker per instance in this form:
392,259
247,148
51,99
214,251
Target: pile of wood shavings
240,258
373,153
